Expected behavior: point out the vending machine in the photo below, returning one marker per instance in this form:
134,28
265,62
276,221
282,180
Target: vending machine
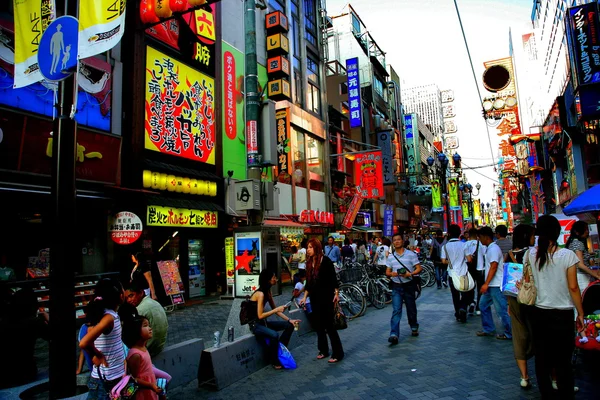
197,268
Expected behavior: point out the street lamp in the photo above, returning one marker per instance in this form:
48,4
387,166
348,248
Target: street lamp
468,188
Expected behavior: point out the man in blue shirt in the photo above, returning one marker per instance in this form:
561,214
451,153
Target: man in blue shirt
332,250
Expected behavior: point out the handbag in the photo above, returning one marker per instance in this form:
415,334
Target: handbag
125,389
340,321
462,283
527,292
285,357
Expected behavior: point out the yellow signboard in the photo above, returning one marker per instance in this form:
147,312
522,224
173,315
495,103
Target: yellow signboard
181,217
229,260
172,183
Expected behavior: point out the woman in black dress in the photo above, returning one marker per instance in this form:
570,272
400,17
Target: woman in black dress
322,287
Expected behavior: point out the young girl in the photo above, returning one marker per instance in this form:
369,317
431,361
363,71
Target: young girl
136,334
103,339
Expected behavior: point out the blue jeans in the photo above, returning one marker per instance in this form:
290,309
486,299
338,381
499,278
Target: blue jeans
494,296
100,390
403,293
441,273
269,331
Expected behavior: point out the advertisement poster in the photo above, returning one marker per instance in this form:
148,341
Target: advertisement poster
247,262
354,100
465,209
181,217
477,209
229,261
169,274
94,100
453,194
436,196
180,109
368,175
101,25
352,211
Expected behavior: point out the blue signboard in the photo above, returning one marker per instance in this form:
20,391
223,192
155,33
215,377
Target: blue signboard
584,41
388,221
409,140
354,101
57,53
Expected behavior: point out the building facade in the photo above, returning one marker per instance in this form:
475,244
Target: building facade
426,101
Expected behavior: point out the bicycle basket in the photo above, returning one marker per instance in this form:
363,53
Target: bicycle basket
350,275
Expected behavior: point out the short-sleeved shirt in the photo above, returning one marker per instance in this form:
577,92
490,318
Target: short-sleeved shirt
302,258
551,282
472,248
381,250
409,260
157,318
505,245
300,287
332,252
494,254
577,245
456,251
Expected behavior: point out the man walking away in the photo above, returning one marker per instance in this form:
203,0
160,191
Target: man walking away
502,241
490,290
454,254
441,273
402,264
476,267
332,251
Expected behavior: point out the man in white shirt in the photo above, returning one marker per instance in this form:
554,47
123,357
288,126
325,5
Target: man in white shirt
490,290
455,255
476,267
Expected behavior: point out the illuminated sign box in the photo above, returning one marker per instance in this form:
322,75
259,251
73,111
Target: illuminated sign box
279,89
278,44
276,22
278,66
178,184
181,217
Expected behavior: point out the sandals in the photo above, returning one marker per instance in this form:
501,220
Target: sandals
503,337
321,356
277,367
482,333
334,360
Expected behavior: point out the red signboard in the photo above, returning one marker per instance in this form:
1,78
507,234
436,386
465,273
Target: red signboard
353,209
312,216
368,175
125,228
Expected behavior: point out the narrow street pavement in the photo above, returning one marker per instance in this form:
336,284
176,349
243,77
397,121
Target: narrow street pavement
447,361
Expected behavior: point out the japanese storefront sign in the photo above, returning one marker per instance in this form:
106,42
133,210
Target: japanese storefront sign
388,221
353,209
181,217
354,100
32,17
409,141
320,217
179,109
233,135
436,196
282,123
368,175
384,140
125,228
229,261
173,183
247,262
453,194
101,25
584,42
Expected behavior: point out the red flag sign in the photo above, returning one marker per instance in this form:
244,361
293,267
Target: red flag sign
352,211
368,175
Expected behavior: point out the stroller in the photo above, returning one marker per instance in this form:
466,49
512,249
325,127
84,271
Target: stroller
591,312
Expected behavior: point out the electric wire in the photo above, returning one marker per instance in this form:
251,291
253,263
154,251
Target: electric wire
474,76
479,173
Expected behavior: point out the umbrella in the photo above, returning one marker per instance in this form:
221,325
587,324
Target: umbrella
586,202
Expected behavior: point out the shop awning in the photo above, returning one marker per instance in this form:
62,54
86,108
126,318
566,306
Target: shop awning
183,203
368,230
586,202
283,222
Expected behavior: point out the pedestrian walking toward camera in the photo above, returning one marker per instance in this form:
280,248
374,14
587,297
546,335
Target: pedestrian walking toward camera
403,267
490,290
455,255
322,287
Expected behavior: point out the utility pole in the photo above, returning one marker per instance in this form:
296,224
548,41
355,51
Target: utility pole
64,256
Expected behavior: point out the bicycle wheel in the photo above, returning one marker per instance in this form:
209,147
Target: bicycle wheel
375,295
384,285
352,300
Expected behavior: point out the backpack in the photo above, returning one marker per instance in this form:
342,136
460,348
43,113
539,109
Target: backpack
246,311
473,264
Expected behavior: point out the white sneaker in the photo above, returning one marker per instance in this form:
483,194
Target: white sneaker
525,384
477,312
555,387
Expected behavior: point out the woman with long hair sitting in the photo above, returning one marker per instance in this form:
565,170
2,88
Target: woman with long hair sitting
322,287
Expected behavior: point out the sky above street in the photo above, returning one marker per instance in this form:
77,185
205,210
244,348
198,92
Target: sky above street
424,44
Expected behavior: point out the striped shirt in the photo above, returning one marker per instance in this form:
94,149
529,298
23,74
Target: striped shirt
111,346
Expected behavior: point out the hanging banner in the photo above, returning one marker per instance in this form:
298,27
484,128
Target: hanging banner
101,25
354,101
32,17
282,124
384,140
352,211
453,194
465,209
477,209
436,196
368,175
180,109
388,221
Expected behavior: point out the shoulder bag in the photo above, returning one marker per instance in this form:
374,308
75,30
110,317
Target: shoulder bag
462,283
415,278
527,292
125,389
339,318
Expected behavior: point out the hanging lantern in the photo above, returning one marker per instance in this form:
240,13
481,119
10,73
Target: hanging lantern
194,3
178,6
162,9
147,14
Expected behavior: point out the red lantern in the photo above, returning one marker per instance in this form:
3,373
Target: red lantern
147,14
178,6
162,9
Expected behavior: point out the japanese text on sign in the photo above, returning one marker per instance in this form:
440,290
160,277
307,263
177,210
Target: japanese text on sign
282,122
169,216
585,42
384,140
230,103
368,175
354,101
125,228
353,208
179,109
410,150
